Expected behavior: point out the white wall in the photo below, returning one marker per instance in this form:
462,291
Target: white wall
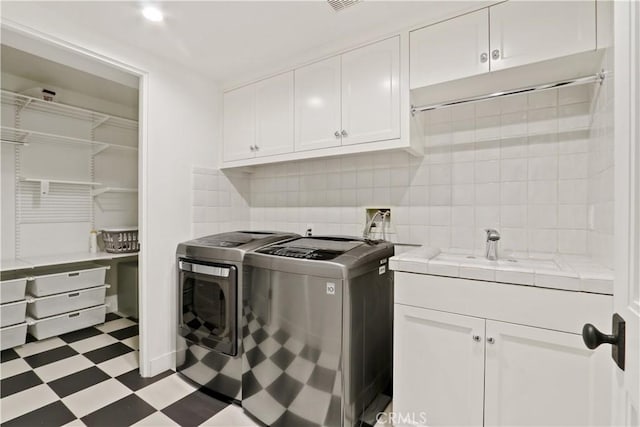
182,124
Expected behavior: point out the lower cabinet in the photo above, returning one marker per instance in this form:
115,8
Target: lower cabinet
453,369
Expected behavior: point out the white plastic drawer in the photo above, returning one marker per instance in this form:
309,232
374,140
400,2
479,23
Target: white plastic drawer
63,323
12,313
66,281
64,303
13,336
12,289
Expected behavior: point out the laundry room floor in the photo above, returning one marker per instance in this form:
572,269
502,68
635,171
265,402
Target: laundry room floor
90,377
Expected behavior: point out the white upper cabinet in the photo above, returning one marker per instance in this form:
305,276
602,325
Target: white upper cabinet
239,123
371,93
523,368
258,119
317,101
523,32
506,35
347,103
450,50
274,115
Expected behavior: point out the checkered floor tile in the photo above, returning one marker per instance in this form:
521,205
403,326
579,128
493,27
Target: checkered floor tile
90,377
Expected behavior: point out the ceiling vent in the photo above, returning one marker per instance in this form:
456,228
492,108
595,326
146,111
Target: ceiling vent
339,5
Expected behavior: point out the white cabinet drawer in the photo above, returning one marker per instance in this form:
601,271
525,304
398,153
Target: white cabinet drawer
13,336
12,289
64,303
12,313
63,323
65,281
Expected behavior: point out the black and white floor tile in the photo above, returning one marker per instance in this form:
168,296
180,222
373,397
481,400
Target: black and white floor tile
90,377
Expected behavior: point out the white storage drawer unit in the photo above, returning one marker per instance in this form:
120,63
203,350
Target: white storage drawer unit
66,302
63,323
13,336
12,313
62,280
12,288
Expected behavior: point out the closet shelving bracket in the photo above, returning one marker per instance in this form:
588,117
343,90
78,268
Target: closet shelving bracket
595,78
99,191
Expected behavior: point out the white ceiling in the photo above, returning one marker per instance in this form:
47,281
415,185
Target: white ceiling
231,41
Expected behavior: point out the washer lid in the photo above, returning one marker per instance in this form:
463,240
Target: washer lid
320,248
235,238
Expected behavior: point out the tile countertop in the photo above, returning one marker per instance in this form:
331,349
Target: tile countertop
565,272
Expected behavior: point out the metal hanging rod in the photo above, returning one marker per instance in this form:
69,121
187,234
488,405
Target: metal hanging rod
563,83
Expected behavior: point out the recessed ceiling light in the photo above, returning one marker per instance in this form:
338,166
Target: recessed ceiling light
152,13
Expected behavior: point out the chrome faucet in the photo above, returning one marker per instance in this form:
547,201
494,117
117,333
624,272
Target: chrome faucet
492,244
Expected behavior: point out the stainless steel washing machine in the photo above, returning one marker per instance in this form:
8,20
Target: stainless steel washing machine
318,335
209,295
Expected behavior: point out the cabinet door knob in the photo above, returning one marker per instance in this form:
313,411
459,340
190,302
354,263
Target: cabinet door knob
495,54
255,147
491,340
337,134
593,338
476,338
251,148
484,57
344,132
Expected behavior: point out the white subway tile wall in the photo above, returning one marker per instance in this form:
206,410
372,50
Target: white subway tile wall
218,203
531,166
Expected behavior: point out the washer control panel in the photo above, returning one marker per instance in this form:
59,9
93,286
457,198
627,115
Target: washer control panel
302,253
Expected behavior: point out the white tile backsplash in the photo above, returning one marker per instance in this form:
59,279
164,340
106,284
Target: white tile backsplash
517,164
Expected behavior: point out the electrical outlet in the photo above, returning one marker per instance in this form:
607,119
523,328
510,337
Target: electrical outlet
378,223
309,229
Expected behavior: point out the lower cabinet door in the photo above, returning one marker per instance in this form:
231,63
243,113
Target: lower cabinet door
542,377
438,368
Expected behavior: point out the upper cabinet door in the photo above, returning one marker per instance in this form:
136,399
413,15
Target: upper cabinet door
531,31
370,93
317,101
450,50
274,115
546,378
239,123
438,372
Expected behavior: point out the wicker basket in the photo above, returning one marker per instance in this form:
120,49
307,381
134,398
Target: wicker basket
120,240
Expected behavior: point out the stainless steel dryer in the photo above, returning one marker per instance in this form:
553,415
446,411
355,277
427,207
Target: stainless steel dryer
318,335
209,298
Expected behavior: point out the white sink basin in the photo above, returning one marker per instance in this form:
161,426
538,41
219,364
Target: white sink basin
516,263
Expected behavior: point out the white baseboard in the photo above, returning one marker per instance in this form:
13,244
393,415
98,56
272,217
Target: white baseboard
159,364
